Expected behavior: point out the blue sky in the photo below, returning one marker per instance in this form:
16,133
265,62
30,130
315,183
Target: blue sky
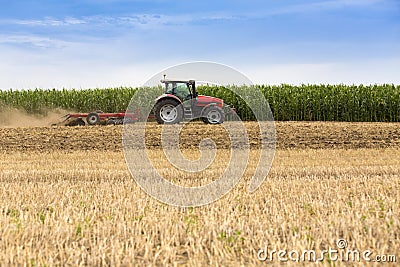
103,43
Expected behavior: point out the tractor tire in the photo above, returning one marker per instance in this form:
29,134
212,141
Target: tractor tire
168,111
93,118
213,115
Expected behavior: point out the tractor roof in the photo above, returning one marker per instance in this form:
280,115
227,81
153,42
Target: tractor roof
177,81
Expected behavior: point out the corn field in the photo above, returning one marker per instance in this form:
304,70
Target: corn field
370,103
39,101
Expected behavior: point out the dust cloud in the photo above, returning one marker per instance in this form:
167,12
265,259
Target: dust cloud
11,117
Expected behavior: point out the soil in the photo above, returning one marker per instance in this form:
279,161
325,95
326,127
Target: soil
289,135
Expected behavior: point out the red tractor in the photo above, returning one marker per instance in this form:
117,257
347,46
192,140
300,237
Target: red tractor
180,101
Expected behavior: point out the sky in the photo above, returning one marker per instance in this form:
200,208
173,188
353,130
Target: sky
109,43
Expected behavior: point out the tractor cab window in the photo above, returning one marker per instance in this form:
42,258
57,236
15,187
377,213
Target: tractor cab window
181,90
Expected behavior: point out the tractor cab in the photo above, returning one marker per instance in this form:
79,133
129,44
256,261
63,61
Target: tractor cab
184,90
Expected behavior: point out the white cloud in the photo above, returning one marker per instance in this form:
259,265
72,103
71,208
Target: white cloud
135,20
33,40
333,4
47,21
326,5
356,2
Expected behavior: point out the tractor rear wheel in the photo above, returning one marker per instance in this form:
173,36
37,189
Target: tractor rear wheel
168,111
93,118
213,115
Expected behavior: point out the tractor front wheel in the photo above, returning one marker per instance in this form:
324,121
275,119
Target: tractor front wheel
168,111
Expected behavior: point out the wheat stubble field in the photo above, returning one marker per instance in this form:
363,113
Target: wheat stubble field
67,198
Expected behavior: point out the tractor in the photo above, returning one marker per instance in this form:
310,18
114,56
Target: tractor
181,101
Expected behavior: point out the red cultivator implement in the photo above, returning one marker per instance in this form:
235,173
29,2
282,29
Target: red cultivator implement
101,118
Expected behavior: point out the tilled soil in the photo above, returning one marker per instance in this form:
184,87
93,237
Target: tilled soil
289,135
